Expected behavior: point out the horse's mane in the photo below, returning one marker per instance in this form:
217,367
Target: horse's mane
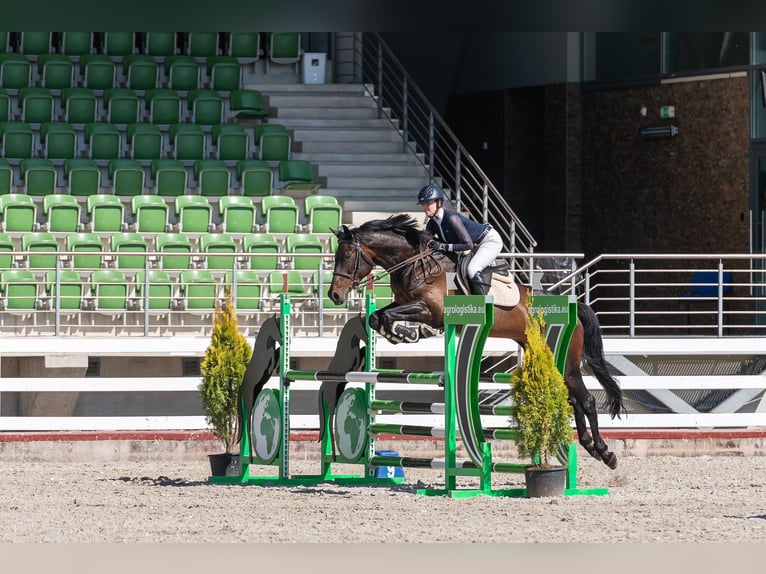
401,224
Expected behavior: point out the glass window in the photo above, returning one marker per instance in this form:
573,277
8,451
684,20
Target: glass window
614,56
698,51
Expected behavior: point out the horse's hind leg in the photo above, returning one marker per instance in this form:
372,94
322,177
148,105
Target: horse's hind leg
584,406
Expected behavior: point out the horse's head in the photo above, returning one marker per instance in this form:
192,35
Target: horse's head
352,264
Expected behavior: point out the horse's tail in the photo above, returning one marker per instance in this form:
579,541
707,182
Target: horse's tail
593,353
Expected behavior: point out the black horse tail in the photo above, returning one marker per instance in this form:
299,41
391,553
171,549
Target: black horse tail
593,353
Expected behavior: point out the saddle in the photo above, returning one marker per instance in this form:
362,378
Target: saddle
502,286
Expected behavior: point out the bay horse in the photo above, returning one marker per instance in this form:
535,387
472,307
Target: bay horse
419,283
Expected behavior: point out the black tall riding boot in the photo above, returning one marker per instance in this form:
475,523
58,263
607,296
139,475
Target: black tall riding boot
477,285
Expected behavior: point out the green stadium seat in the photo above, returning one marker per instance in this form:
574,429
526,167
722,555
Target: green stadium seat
127,177
90,245
273,141
142,72
170,177
289,282
99,71
56,71
201,44
231,142
193,213
280,213
7,248
68,296
17,140
19,212
145,141
36,104
79,105
42,242
103,141
62,213
323,213
297,174
154,290
77,43
35,43
237,214
225,73
5,42
174,243
182,73
248,104
83,176
129,242
256,179
246,295
304,243
38,175
205,106
284,48
198,290
245,46
109,289
163,106
5,106
210,243
150,213
59,140
106,213
188,141
6,177
15,71
117,45
266,245
160,44
122,106
213,177
19,290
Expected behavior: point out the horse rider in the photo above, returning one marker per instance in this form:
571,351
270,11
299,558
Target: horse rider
455,232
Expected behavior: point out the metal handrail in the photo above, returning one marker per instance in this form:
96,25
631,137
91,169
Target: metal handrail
426,134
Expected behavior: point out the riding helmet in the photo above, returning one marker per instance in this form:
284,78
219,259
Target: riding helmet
430,192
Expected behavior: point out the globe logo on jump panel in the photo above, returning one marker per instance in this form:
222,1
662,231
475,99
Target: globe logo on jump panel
266,425
351,423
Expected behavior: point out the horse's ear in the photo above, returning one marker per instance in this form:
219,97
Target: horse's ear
345,231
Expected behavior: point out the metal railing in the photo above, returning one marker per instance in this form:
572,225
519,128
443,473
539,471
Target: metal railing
426,134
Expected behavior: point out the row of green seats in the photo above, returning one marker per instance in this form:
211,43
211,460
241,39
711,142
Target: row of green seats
144,141
190,290
154,214
167,177
174,250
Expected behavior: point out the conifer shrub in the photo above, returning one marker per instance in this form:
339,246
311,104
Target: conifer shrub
541,409
223,369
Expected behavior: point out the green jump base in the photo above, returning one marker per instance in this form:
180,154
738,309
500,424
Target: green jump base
504,492
305,480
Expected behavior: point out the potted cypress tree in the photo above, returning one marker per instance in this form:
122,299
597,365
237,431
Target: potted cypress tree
223,369
541,412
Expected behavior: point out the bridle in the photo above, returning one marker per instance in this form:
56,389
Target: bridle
362,256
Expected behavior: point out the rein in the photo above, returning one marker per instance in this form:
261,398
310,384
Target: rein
361,255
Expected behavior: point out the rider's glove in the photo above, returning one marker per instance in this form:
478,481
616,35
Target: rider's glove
437,245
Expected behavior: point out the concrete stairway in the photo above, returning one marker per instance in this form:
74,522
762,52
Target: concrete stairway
361,156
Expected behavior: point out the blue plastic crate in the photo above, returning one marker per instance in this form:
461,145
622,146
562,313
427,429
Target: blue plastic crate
388,471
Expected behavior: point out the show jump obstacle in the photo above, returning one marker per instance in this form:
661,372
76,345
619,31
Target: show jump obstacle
347,415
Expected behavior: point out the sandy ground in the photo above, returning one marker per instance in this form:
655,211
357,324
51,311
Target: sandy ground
650,499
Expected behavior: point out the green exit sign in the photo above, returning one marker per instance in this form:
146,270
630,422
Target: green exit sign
667,112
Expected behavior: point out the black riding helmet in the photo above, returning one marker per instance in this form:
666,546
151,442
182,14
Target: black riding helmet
430,192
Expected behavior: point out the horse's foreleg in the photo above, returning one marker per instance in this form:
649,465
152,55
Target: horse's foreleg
390,322
584,406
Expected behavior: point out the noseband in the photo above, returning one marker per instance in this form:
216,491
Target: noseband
360,256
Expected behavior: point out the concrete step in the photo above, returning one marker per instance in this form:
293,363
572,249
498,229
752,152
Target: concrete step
362,215
338,123
402,158
374,170
317,100
320,145
362,113
413,183
274,88
346,135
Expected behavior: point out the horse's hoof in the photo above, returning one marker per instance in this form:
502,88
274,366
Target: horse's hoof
610,459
